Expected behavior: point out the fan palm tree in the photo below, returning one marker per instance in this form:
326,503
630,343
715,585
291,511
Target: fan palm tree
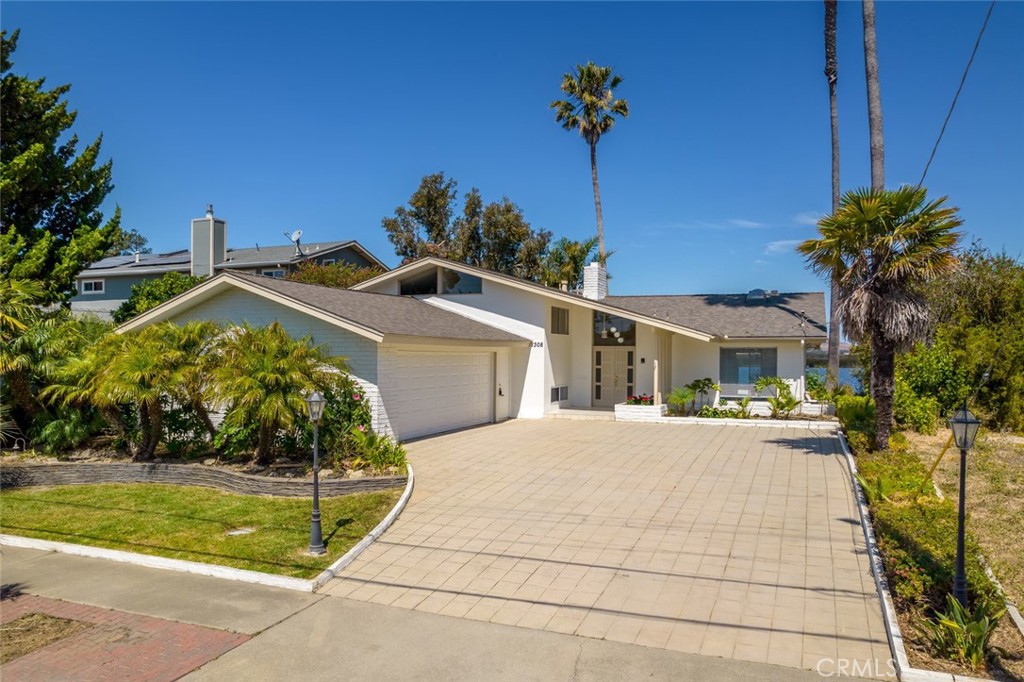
832,74
879,246
874,97
591,109
191,384
264,376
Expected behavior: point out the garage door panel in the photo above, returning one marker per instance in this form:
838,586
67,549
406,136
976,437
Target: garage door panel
435,392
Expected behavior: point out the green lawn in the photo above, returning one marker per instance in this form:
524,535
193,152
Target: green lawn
192,523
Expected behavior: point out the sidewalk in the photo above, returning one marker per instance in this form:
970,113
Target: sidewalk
312,637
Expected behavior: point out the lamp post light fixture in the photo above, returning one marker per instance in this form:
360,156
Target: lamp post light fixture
965,428
315,403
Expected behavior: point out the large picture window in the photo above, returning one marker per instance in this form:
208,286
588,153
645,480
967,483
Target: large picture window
612,330
740,368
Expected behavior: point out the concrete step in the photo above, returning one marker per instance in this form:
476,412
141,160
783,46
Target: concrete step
582,415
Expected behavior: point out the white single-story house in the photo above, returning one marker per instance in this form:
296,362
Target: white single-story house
441,345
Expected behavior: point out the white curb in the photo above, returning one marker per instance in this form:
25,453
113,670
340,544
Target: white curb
224,572
763,423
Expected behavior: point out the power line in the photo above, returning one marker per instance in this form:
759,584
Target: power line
952,106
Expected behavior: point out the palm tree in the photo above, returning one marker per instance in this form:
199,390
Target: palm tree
18,314
874,97
565,261
832,74
264,376
191,384
591,108
879,246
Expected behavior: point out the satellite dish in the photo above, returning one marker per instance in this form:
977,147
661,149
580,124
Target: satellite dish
295,236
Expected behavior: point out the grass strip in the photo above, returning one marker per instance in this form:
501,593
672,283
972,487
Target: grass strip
193,523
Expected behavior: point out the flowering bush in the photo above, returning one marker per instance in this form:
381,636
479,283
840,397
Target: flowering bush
642,399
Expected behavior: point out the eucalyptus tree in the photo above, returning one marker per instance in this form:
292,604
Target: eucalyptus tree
881,245
591,108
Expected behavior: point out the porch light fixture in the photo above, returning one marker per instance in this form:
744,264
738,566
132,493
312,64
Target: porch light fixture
965,429
315,404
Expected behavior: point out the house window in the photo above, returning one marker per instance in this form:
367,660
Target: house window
92,286
612,330
559,394
419,285
740,368
277,273
330,261
454,282
559,320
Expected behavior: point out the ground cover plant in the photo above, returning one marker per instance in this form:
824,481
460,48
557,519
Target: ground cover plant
192,523
916,531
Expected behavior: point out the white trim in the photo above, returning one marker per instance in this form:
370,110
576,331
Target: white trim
167,308
537,289
101,290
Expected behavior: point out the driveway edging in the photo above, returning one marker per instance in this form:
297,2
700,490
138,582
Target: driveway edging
763,423
224,572
904,671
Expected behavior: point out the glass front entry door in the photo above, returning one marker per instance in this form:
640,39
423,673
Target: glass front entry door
614,375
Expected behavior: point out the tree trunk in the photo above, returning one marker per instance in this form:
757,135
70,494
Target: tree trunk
597,204
883,384
832,74
142,452
204,416
874,98
26,407
266,441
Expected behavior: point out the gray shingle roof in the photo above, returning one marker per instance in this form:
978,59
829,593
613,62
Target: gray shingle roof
383,313
795,315
266,255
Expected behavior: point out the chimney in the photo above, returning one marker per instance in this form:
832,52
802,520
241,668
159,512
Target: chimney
595,281
209,243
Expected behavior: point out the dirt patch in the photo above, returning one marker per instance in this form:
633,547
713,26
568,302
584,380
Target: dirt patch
1009,668
34,631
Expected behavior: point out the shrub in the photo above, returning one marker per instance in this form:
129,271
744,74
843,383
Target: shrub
856,413
815,386
679,398
642,399
962,636
912,410
380,453
711,412
783,402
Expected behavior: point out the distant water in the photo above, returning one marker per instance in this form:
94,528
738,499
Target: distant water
846,376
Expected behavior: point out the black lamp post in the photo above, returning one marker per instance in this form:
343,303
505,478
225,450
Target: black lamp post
965,429
315,402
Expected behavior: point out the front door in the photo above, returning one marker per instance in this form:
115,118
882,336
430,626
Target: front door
614,375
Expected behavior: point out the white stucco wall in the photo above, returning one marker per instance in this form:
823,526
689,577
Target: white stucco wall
694,359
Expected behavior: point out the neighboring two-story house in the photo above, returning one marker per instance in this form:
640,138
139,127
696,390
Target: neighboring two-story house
106,284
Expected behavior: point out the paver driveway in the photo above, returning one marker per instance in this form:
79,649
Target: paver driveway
729,541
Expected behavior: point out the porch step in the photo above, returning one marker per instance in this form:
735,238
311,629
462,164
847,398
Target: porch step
583,415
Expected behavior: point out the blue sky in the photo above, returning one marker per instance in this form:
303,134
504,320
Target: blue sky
324,117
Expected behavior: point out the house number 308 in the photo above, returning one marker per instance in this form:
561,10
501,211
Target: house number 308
538,344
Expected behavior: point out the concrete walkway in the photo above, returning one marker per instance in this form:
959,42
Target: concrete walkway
735,542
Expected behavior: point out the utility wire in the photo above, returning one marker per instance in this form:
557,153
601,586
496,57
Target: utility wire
963,79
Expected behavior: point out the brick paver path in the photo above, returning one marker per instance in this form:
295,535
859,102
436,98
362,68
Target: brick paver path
728,541
121,646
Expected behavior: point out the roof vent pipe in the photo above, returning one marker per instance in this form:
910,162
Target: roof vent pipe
209,210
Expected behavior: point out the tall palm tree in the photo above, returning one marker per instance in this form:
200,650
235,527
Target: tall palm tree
832,74
591,109
880,245
264,376
874,97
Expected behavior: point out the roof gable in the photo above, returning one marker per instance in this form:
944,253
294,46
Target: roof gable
374,316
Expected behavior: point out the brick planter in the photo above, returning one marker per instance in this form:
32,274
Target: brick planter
639,413
23,475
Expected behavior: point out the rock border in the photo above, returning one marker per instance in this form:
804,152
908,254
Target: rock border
225,572
82,473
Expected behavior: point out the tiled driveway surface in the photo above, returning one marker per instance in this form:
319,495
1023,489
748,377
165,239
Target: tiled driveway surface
728,541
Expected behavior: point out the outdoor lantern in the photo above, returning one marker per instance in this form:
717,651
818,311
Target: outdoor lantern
315,402
965,428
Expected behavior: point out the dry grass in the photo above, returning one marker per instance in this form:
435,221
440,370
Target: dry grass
34,631
995,498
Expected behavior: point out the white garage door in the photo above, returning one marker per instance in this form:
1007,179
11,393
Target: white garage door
435,392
